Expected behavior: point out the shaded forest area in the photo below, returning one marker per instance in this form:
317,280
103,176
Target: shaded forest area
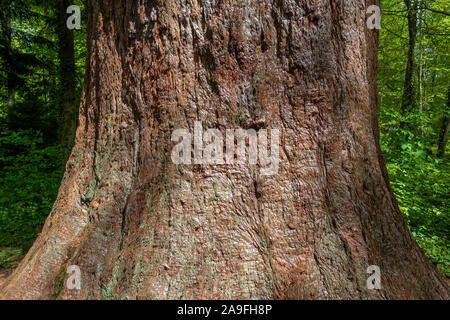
41,78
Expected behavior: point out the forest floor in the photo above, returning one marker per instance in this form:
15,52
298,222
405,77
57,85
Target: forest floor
9,260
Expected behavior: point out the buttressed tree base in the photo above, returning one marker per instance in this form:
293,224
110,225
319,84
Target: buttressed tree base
140,226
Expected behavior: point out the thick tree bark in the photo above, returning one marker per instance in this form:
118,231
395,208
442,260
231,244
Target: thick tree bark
408,99
140,226
68,112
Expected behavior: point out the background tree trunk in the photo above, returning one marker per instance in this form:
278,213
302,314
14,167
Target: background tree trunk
139,226
6,30
408,99
443,134
68,87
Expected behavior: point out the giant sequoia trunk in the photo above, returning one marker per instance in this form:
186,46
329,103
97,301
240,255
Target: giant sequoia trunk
140,226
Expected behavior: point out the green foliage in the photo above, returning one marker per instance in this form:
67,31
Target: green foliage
437,249
31,163
420,182
419,178
29,181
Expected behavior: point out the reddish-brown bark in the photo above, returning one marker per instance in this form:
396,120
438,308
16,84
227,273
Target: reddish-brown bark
139,226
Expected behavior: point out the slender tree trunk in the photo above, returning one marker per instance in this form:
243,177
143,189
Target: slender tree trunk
443,136
140,226
11,100
68,101
10,79
421,72
408,99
